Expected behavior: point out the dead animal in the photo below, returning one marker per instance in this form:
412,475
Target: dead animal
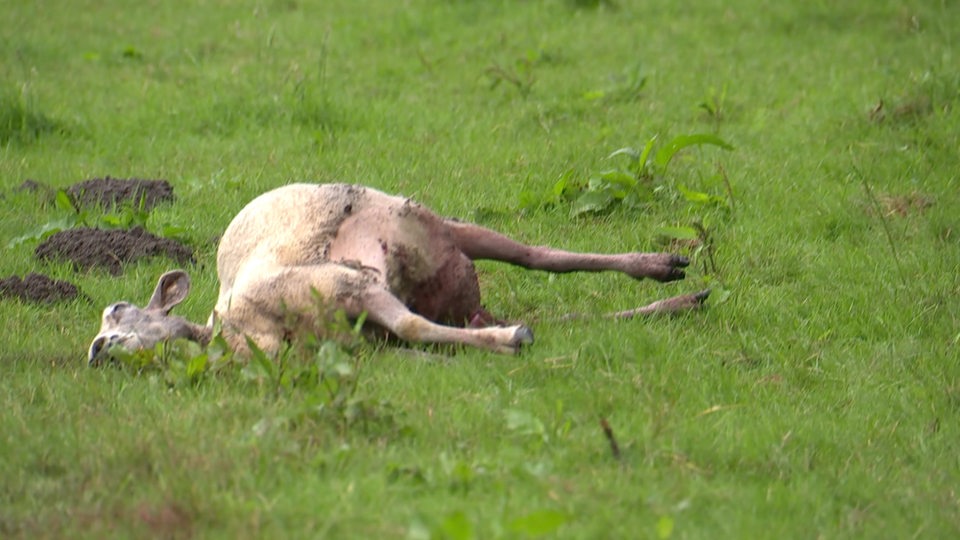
364,252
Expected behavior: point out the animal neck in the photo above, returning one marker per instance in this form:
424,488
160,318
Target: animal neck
201,334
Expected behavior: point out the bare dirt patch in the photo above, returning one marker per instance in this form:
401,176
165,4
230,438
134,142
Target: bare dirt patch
168,520
904,205
907,204
106,192
31,185
38,288
109,249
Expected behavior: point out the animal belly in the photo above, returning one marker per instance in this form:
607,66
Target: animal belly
415,256
447,293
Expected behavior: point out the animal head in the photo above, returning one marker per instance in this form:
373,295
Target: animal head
134,328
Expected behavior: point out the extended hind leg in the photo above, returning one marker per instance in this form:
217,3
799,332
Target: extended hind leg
675,304
481,243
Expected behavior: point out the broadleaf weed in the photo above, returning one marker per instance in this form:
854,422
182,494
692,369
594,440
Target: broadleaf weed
122,216
643,180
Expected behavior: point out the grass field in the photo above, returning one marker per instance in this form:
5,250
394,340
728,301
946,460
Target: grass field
818,396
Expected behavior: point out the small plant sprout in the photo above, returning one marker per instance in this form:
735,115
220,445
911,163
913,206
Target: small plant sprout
714,104
519,73
697,239
520,76
626,87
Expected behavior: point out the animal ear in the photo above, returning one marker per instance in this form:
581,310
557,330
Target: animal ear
171,290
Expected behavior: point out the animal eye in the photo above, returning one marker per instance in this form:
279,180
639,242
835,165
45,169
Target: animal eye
115,310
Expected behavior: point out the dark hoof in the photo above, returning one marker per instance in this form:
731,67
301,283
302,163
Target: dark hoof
702,296
675,274
523,336
691,301
673,271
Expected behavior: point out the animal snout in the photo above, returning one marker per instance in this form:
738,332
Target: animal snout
100,348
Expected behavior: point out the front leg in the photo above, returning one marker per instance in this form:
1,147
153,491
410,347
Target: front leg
481,243
384,309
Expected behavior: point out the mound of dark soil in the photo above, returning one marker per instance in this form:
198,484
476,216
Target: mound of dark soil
32,186
109,249
37,288
106,192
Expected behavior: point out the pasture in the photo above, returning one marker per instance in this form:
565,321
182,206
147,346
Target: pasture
818,395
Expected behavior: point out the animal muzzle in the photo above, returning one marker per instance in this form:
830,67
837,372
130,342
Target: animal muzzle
100,348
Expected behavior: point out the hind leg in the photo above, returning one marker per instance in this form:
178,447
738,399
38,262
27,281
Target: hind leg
481,243
675,304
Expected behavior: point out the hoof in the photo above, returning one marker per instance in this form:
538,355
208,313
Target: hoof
523,336
702,296
672,270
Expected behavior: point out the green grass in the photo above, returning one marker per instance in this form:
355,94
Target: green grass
821,398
